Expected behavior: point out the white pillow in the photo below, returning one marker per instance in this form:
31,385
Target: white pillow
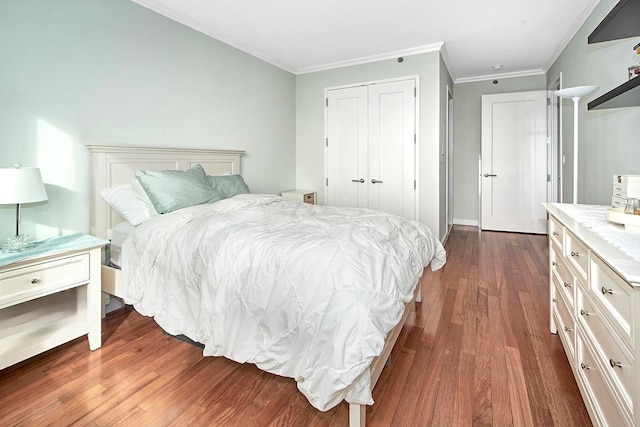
126,204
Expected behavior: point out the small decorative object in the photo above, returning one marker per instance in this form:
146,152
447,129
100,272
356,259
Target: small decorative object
634,70
20,185
629,207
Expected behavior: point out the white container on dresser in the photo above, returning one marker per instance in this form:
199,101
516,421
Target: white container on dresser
624,186
49,295
595,310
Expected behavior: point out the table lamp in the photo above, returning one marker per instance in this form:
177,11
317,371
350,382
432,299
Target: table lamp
20,185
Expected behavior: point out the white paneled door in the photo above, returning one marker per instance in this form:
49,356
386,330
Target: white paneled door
514,164
370,147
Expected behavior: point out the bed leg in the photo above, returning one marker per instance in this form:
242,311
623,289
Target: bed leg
419,292
357,415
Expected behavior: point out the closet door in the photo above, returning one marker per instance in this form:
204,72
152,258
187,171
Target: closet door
391,165
370,147
346,150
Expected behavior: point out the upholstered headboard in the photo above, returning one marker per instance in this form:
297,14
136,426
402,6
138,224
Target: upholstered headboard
114,165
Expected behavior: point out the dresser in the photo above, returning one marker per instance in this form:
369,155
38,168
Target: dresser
594,284
49,294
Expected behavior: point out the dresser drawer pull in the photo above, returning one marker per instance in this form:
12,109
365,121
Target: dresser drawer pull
555,299
34,281
567,285
583,366
606,291
613,363
555,233
568,329
584,313
575,254
554,263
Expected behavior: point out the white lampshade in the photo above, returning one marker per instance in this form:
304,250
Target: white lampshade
21,185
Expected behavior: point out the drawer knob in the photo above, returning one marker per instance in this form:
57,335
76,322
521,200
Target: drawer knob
361,180
575,254
568,329
613,363
584,313
567,285
606,291
583,366
34,281
554,263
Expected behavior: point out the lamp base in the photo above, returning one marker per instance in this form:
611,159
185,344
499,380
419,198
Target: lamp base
18,243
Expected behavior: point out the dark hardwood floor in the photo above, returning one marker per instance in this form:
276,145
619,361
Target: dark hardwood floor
477,351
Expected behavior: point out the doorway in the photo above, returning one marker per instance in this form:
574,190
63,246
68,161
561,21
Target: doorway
514,162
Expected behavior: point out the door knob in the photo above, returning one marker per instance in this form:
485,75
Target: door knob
373,181
487,175
361,180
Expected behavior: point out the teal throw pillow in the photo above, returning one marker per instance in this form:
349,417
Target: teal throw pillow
228,185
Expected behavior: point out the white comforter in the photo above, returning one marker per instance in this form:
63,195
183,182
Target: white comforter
303,291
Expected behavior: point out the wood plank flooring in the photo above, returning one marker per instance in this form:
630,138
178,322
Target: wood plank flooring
477,351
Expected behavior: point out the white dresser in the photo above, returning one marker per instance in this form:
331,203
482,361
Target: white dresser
595,308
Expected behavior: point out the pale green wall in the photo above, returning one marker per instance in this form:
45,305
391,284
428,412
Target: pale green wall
608,138
310,124
77,72
467,127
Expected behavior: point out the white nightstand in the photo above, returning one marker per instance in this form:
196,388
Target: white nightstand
49,295
300,196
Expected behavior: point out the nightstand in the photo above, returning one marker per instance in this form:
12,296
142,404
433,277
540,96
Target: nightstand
300,196
49,294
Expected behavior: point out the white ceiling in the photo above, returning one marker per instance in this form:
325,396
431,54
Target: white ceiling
300,36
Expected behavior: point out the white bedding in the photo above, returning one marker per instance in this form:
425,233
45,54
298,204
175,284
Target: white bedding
118,236
303,291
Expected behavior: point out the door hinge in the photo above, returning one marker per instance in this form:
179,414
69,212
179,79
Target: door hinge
326,102
548,178
548,101
326,142
415,92
414,184
326,182
415,138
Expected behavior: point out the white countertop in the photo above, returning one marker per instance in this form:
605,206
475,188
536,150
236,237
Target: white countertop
619,248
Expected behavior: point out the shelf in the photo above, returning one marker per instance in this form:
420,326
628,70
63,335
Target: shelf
625,95
622,22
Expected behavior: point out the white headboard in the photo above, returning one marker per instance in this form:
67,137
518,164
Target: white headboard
113,165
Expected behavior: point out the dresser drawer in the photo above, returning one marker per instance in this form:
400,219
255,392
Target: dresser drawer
601,399
565,322
42,279
614,296
618,202
577,255
556,232
564,277
610,351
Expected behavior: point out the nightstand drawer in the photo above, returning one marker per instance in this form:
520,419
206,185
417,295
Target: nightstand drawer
42,279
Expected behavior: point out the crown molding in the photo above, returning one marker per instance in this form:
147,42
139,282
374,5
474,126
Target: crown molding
434,47
525,73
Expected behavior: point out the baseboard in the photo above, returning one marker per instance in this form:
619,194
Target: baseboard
471,222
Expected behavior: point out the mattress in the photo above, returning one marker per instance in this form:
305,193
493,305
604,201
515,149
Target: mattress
119,234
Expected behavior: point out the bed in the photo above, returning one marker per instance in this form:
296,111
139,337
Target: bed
259,311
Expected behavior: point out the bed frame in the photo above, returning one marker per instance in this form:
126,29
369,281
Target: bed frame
115,165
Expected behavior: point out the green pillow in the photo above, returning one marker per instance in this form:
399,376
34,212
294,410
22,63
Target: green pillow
169,190
228,185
